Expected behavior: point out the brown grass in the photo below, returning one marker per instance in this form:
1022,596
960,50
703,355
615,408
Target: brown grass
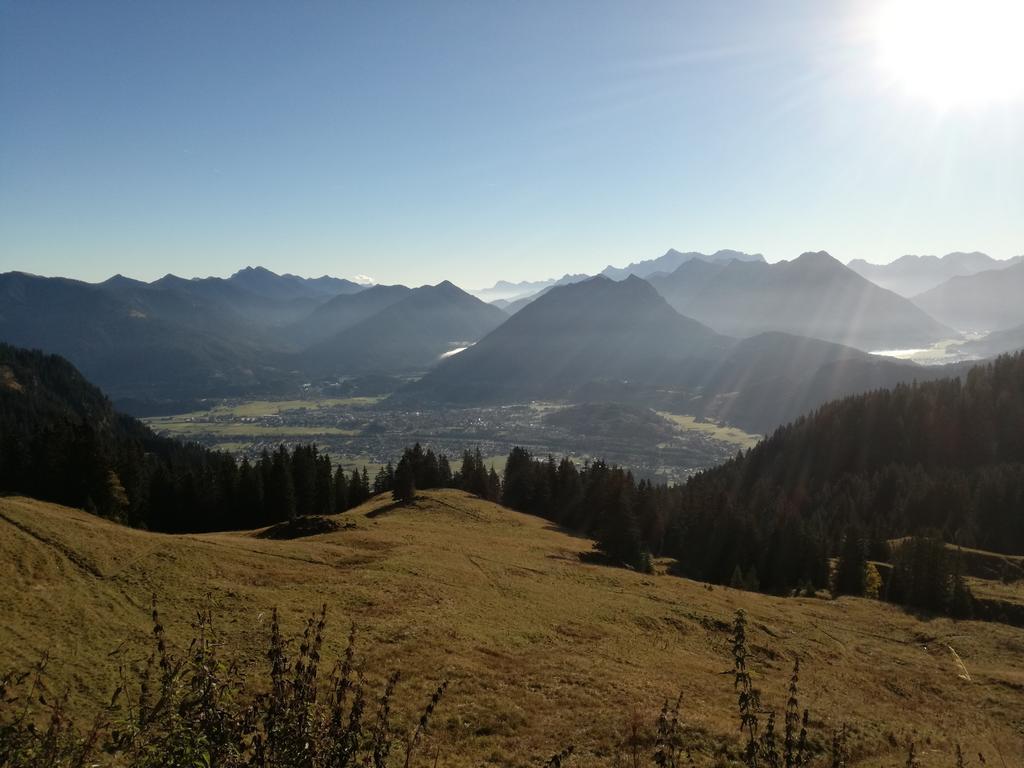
541,650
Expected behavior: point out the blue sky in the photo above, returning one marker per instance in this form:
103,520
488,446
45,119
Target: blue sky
419,141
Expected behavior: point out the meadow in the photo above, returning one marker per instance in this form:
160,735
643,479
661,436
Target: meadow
541,649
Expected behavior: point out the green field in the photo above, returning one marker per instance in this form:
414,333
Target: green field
731,435
185,428
244,419
258,408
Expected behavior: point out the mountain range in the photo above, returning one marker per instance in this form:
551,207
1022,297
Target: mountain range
251,333
987,301
813,295
619,341
911,275
727,336
133,340
671,260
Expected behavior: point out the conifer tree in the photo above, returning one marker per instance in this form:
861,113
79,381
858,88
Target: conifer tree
851,570
340,490
493,485
444,472
405,481
356,496
323,497
280,492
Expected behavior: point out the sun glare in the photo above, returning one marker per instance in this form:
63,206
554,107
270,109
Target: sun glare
954,53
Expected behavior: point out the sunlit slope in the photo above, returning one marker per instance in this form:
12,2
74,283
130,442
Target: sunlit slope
541,649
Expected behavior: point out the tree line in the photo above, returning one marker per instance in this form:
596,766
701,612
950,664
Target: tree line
634,521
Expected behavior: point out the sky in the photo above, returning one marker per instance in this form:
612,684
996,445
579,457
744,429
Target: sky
475,141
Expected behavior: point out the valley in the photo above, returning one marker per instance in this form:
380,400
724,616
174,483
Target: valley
371,431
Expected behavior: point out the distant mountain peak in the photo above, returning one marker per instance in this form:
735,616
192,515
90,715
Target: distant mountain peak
121,280
817,257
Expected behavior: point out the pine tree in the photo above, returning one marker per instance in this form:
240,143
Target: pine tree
736,581
249,498
279,492
619,535
493,485
356,496
405,481
444,472
340,490
851,569
323,498
382,482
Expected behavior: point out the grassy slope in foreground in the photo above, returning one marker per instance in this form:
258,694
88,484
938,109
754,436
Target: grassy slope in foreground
541,649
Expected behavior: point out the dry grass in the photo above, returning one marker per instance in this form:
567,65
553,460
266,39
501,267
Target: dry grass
540,649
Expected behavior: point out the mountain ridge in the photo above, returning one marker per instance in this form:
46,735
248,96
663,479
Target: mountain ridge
986,301
813,295
910,275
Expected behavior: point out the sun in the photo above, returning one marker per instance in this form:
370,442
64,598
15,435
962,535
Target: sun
954,53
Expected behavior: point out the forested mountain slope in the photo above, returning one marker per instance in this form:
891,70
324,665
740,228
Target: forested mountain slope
946,455
60,440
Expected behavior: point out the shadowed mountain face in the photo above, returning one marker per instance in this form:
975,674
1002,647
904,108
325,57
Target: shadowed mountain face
176,338
813,295
911,275
342,312
596,330
511,307
671,261
140,342
408,335
264,299
987,301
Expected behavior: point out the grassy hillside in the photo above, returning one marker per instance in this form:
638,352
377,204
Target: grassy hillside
541,649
